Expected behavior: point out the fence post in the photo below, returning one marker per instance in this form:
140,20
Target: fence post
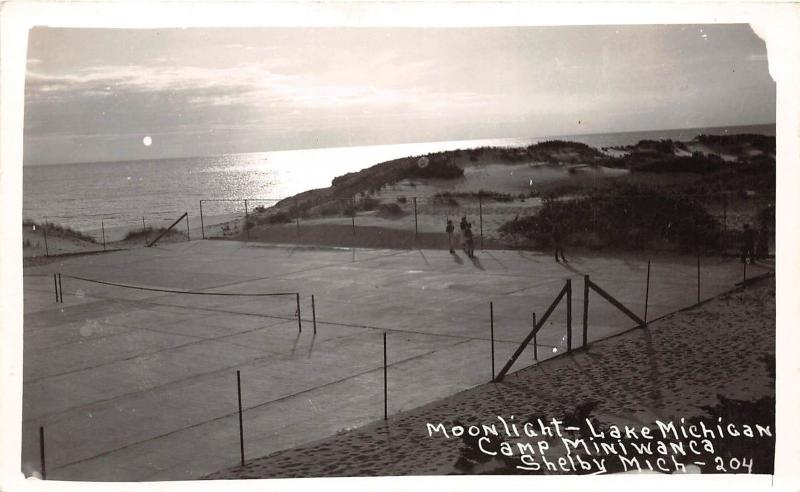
241,426
246,214
535,344
188,238
698,279
144,229
314,314
103,229
60,290
202,225
647,293
41,453
44,231
480,216
744,273
585,310
385,385
297,215
353,201
299,323
416,225
55,286
569,315
491,328
724,221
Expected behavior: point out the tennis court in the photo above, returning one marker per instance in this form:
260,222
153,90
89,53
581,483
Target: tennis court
134,384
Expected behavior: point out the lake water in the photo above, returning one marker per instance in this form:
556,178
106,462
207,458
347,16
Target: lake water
120,193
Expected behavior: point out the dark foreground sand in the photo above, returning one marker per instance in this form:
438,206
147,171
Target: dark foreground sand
680,364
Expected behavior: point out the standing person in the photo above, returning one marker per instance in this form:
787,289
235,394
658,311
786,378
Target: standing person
469,243
463,227
557,240
449,229
748,244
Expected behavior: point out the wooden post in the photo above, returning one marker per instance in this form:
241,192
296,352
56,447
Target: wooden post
241,426
44,231
144,229
246,215
299,323
491,328
744,273
480,216
55,286
585,310
41,453
202,225
416,225
385,382
724,220
353,201
535,344
314,314
188,238
297,215
103,229
647,293
698,279
569,315
60,290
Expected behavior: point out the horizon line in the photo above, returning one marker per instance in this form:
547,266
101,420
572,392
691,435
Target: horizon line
386,144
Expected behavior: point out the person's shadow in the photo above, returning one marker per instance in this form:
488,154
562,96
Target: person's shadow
457,258
477,263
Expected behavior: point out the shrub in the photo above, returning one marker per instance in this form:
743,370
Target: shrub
625,216
436,169
390,210
402,199
368,203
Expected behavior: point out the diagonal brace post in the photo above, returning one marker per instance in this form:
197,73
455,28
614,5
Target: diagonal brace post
533,333
614,302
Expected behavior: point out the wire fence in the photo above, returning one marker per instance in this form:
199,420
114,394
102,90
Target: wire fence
335,356
58,235
393,219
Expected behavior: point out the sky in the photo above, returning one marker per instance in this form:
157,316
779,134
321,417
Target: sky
124,94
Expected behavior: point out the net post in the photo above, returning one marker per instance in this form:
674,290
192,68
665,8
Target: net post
647,293
41,453
569,316
491,330
385,382
60,290
299,323
535,344
103,229
241,426
188,238
202,225
585,310
314,314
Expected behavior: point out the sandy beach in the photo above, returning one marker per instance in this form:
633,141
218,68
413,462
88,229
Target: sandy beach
691,364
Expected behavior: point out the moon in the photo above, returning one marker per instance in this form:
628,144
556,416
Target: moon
147,141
